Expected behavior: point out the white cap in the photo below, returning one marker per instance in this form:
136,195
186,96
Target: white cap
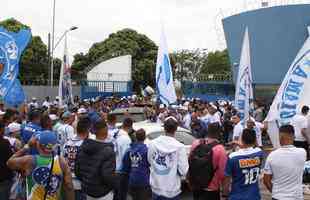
82,111
14,127
34,98
186,104
53,117
2,112
161,106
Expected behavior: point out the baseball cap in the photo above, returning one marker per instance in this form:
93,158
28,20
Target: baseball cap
66,114
14,127
47,139
53,117
2,112
82,111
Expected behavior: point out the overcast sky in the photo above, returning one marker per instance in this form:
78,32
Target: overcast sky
188,24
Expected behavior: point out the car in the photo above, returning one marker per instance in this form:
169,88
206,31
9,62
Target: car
136,113
154,130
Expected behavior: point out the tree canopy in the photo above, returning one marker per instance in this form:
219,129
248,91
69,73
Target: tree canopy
124,42
199,65
34,65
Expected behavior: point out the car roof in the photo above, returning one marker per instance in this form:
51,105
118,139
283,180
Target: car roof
129,110
151,127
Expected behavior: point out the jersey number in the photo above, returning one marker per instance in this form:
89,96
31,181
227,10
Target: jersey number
251,175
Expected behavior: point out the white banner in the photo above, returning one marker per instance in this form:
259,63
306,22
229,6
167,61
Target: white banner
292,94
244,89
164,77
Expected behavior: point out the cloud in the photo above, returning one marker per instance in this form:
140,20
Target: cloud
188,24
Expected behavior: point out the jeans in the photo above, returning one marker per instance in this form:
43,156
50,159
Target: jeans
156,197
120,193
140,193
5,189
203,195
79,195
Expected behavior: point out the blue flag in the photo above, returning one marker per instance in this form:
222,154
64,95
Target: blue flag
164,79
11,48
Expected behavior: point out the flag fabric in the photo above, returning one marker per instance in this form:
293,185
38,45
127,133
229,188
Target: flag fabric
65,86
164,78
244,89
11,47
292,94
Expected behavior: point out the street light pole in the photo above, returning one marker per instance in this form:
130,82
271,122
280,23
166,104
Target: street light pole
53,40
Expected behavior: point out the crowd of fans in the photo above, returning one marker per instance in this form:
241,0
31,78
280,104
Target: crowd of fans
52,151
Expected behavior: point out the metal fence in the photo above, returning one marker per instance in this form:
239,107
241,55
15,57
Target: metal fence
92,89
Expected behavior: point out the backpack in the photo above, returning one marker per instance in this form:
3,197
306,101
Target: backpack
201,170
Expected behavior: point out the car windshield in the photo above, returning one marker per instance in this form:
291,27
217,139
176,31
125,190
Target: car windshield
181,136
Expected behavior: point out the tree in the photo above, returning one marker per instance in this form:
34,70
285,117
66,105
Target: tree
34,66
217,63
124,42
187,64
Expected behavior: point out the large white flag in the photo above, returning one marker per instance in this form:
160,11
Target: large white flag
244,89
292,94
164,79
65,86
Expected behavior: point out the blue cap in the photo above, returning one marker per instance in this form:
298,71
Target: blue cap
48,139
66,114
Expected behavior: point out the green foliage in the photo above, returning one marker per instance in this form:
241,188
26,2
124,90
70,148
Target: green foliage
217,63
124,42
198,65
34,61
13,25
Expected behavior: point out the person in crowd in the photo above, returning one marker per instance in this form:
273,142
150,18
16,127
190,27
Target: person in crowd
283,172
95,165
33,104
209,188
238,128
14,136
258,113
2,109
227,124
257,127
112,129
135,164
300,124
46,102
40,182
46,122
32,127
71,150
168,163
66,131
243,169
6,177
186,118
122,144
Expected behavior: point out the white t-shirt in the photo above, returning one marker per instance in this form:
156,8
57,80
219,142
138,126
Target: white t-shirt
237,132
122,144
286,166
299,122
65,133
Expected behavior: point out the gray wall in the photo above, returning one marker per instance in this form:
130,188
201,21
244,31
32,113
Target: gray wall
276,35
40,92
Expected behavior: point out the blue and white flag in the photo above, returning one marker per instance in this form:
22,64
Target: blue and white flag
244,89
65,86
292,94
164,79
11,47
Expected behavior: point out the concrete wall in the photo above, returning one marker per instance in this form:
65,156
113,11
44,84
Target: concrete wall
276,35
40,92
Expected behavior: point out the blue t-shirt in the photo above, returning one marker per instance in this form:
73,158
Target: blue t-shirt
29,130
244,167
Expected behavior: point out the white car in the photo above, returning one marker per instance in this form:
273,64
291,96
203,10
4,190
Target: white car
154,130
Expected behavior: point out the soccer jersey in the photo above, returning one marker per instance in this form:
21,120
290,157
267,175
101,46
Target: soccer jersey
244,167
71,149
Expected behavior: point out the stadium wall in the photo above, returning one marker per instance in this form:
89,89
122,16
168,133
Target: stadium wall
276,35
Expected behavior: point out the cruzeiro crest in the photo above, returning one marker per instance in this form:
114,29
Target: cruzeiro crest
11,46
